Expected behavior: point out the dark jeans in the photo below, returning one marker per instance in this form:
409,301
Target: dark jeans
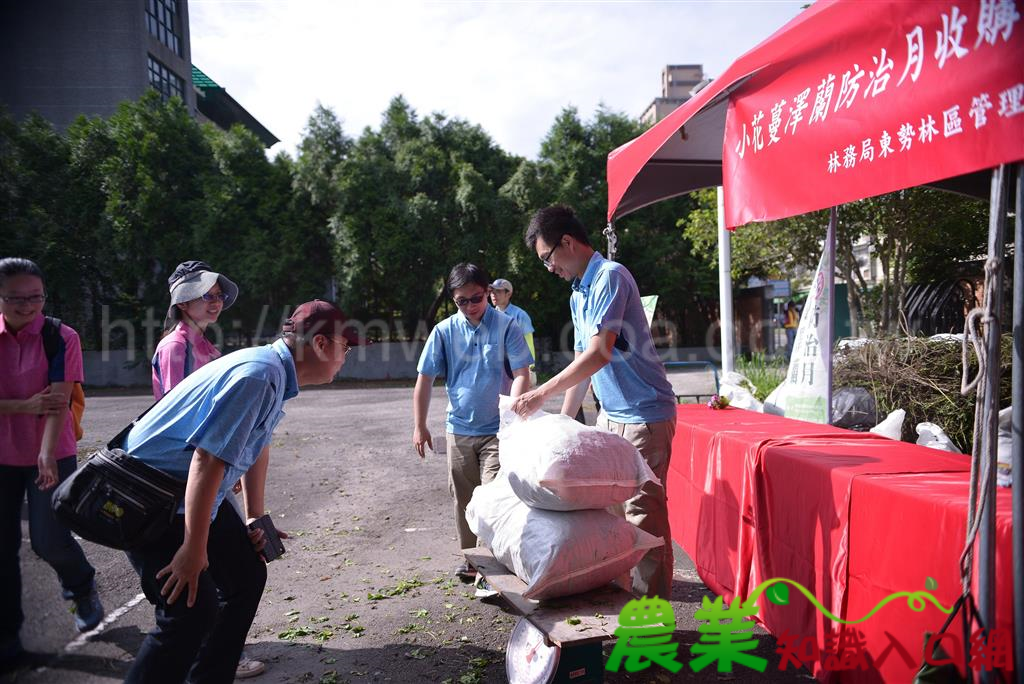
51,541
202,643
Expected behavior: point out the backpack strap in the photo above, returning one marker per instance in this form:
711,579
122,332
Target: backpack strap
52,344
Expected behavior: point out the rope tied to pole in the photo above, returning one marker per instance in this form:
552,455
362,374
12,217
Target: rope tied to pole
980,466
613,240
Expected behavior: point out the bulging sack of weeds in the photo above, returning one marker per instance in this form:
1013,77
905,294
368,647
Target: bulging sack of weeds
555,553
558,464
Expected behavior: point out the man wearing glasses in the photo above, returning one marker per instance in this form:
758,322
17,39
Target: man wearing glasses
473,349
615,351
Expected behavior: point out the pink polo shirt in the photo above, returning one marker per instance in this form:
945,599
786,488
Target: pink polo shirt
178,355
24,371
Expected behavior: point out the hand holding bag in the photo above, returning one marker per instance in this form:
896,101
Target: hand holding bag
116,500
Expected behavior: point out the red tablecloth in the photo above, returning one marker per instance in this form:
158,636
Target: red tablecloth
755,496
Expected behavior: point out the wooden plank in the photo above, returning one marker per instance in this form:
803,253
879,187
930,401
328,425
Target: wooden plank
597,610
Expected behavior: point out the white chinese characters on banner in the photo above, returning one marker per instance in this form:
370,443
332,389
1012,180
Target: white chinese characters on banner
995,23
808,394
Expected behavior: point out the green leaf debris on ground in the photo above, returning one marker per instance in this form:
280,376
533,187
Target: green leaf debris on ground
402,587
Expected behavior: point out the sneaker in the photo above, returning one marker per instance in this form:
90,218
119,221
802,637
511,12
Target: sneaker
88,611
249,668
465,573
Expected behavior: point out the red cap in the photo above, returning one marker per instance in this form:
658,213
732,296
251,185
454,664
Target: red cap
321,318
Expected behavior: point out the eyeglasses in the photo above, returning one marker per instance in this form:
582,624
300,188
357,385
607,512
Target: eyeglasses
348,347
30,299
546,260
220,296
466,301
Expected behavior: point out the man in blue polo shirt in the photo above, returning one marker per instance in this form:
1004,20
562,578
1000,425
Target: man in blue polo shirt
615,351
473,349
210,430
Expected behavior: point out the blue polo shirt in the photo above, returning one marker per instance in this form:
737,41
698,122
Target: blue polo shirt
229,407
520,317
632,388
472,359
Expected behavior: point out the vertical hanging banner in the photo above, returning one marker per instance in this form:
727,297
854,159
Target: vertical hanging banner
808,391
864,98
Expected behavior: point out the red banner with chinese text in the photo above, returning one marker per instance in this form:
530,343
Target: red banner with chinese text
887,95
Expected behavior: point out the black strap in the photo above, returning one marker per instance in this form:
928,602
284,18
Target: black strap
118,441
51,337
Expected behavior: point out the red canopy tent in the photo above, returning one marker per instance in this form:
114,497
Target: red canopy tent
850,100
812,117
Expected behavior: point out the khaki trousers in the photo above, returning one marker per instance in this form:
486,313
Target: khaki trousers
648,510
472,461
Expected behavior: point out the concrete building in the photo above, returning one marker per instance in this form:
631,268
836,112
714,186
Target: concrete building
677,80
65,58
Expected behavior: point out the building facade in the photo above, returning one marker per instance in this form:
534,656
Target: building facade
677,82
64,58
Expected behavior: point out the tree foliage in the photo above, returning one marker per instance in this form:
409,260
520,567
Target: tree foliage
376,221
916,234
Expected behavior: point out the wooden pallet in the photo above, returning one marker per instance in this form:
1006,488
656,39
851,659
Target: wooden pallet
597,610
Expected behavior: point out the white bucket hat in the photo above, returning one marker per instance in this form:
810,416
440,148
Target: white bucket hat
192,279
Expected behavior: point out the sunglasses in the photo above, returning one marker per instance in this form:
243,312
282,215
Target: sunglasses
220,297
466,301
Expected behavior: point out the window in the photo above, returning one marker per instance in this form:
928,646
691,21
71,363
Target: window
161,20
165,81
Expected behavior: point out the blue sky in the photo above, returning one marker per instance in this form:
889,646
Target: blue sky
508,66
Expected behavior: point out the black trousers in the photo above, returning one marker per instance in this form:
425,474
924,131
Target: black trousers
201,644
50,540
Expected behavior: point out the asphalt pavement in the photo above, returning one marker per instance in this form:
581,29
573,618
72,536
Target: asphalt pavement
365,592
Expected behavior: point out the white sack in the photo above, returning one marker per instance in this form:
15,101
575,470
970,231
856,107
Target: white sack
555,553
558,464
740,391
892,425
934,437
1004,447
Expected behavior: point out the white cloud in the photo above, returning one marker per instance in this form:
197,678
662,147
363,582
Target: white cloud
508,66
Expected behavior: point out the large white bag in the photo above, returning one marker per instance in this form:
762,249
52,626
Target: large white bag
556,463
556,554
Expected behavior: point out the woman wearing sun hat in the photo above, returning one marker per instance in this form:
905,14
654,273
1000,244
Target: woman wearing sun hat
198,296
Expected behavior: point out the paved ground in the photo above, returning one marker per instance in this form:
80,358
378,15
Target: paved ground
367,517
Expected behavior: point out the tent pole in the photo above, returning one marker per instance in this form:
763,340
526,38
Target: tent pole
989,394
1017,433
725,317
830,339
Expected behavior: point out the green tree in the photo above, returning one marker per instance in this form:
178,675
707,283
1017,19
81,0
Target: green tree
915,233
416,197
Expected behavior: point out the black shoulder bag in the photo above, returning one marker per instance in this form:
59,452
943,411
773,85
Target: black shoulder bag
116,500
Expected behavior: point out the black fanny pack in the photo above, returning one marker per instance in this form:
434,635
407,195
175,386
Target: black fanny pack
116,500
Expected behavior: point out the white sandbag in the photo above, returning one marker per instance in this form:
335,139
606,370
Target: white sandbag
934,437
559,464
740,391
555,553
1004,448
892,425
